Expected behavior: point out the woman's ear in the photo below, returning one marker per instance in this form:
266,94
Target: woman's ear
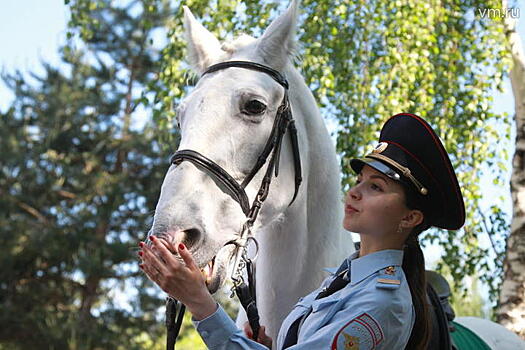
412,219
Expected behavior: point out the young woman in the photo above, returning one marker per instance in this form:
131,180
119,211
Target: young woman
377,297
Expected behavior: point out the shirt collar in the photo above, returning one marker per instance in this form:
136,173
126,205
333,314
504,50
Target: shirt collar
346,263
362,267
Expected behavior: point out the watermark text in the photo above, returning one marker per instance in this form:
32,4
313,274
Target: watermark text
499,13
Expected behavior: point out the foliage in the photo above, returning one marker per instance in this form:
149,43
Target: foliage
470,302
90,22
439,60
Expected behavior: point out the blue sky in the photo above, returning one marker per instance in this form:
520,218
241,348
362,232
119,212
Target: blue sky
32,30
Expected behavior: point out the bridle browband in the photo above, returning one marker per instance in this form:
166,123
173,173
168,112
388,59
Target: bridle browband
283,121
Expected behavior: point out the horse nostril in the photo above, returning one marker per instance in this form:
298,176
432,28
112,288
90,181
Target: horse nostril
191,237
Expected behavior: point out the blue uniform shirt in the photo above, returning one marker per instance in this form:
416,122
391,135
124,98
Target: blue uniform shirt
374,311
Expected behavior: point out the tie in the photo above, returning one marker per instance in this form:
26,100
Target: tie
337,284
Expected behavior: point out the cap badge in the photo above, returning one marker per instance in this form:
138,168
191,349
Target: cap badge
380,148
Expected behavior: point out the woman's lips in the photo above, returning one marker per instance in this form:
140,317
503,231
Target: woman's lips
349,209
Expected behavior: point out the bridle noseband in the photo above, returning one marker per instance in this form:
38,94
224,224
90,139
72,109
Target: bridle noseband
283,121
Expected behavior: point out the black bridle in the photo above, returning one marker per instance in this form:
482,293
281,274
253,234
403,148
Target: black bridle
283,121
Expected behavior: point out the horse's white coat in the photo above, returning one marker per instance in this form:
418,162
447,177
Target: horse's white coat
296,241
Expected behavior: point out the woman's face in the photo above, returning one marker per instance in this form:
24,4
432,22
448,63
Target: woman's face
375,205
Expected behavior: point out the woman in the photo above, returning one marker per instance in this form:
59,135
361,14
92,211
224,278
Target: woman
376,299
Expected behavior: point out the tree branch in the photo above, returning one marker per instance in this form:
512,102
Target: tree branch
29,209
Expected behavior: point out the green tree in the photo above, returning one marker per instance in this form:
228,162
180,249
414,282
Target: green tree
470,302
440,60
79,177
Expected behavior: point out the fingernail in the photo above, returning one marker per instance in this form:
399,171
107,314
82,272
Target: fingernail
181,246
141,244
141,253
153,238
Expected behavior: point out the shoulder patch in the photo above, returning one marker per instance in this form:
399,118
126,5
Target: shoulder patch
388,278
363,333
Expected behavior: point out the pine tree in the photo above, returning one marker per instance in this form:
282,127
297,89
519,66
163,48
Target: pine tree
79,176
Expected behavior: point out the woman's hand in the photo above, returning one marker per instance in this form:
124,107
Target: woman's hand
183,282
262,338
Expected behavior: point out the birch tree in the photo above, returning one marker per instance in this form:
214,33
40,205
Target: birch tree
511,305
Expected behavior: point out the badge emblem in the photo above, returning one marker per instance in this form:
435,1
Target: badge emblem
362,332
351,343
380,148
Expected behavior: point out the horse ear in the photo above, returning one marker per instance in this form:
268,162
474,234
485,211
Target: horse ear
277,44
203,47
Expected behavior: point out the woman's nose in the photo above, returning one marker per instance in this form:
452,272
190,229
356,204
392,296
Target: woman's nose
354,192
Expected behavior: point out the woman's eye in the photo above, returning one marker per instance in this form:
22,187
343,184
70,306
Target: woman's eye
376,188
254,107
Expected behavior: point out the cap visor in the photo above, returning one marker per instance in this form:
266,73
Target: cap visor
357,165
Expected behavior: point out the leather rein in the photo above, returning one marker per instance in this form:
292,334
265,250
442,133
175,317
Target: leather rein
283,121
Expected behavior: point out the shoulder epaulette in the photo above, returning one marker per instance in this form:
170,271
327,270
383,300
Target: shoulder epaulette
389,278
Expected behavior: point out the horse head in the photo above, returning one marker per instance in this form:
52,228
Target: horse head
227,118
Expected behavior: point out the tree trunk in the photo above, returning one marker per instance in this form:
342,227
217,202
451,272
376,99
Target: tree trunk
511,308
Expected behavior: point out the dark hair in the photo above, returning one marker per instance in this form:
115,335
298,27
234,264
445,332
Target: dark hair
414,268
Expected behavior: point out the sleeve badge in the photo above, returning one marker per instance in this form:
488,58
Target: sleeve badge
361,333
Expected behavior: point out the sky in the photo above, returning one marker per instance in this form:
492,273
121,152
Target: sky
31,31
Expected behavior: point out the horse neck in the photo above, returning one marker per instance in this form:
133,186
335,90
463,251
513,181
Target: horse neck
321,210
308,236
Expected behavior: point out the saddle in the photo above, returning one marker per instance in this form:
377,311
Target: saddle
441,312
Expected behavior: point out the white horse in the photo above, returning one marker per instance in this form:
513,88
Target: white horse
296,241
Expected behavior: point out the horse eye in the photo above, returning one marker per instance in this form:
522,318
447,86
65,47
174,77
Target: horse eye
254,107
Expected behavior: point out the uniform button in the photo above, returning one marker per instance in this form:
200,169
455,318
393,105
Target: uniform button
205,333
